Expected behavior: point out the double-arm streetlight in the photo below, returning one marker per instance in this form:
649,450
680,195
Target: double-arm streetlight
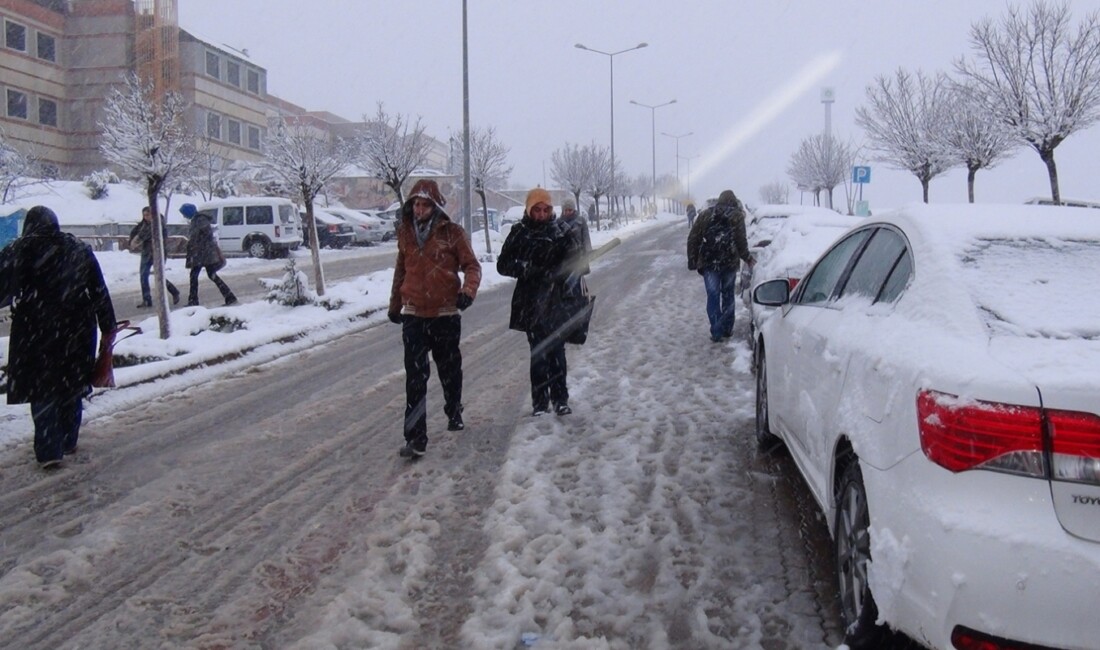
611,58
653,137
677,138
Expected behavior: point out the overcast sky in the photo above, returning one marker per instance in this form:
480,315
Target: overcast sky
747,77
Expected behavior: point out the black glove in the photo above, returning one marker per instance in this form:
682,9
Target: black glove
463,301
395,316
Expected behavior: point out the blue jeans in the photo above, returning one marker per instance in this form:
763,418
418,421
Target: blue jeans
56,426
145,268
721,300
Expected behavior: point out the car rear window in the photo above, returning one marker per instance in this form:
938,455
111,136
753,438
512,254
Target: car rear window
1035,287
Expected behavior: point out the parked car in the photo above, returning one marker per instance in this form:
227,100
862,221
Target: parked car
259,226
332,231
785,245
936,378
368,229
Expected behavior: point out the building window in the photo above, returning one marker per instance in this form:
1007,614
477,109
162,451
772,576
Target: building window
47,47
47,112
15,36
233,73
214,126
254,82
234,129
17,104
253,137
213,67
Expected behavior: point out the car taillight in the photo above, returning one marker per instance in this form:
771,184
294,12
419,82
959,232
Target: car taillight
792,283
960,435
333,228
1075,446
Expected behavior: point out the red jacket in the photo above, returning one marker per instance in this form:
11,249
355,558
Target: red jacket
425,281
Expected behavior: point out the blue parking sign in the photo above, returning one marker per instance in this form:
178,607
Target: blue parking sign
861,174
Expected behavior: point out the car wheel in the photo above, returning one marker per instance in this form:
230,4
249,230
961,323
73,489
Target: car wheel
764,435
259,247
852,553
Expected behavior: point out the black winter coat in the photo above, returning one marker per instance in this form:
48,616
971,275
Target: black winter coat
202,248
55,288
717,240
537,254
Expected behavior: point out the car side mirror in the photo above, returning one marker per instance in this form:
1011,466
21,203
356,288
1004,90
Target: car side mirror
772,293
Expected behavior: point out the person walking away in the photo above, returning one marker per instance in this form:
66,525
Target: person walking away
716,245
426,298
203,253
538,252
142,235
58,298
691,213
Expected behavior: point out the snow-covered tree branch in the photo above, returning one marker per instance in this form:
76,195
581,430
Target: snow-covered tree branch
902,119
1037,75
298,157
391,148
149,139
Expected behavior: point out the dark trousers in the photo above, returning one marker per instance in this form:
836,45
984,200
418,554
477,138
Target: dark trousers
548,369
193,293
440,337
56,426
144,270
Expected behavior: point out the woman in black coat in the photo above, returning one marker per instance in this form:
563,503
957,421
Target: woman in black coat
537,252
55,288
203,252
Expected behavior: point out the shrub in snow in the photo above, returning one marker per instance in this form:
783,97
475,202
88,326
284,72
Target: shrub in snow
292,290
224,188
97,183
226,324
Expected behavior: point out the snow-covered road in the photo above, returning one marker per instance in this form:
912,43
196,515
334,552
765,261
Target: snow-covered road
269,509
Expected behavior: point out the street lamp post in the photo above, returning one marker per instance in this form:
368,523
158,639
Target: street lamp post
677,138
688,158
611,58
653,137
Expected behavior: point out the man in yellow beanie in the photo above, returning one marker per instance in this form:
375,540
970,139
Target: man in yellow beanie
426,298
537,253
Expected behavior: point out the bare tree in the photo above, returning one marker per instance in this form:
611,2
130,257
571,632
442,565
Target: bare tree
902,119
300,158
212,175
19,168
1038,76
976,140
150,140
488,169
822,162
570,170
598,160
776,193
391,148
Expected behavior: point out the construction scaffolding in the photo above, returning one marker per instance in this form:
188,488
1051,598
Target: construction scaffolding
157,45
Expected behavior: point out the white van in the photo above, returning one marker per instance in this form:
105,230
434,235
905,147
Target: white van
257,226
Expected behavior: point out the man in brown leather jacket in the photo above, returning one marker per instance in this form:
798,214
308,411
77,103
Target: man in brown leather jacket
426,299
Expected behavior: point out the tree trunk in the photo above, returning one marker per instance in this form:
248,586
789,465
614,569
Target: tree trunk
159,299
314,247
924,188
971,172
1047,156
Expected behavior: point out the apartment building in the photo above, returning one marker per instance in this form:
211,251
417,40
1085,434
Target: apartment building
59,60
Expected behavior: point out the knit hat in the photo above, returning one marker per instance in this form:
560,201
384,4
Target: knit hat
538,195
188,210
568,204
727,197
427,189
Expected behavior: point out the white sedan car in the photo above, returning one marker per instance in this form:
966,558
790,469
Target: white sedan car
936,378
786,247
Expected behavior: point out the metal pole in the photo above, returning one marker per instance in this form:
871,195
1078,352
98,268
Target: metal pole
466,201
611,58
